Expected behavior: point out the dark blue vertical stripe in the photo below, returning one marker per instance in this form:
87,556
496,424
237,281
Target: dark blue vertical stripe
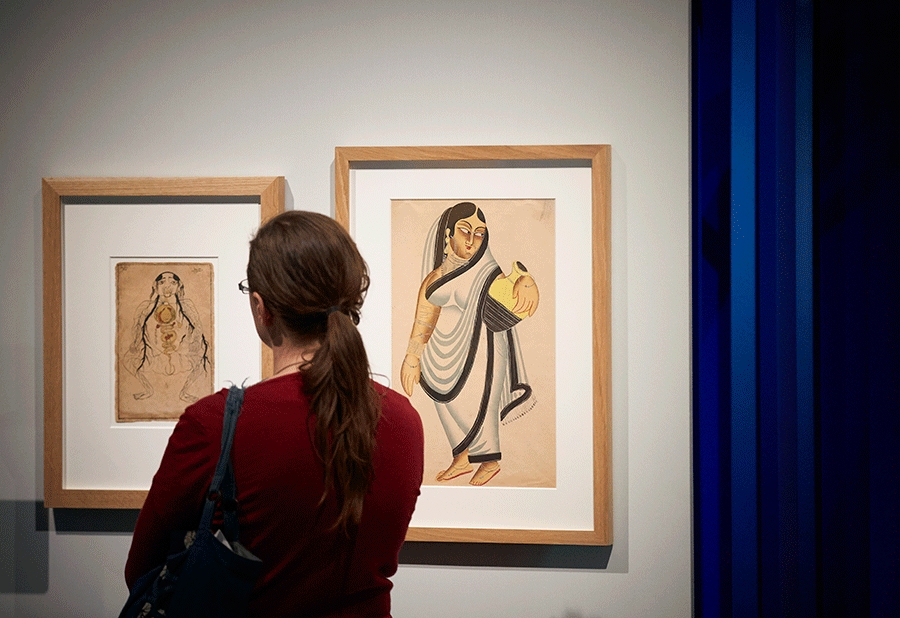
711,76
776,160
842,236
857,304
806,483
744,551
767,303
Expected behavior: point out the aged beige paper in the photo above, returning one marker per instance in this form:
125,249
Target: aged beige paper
518,230
164,338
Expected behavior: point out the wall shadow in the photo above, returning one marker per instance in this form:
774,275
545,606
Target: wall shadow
506,555
74,521
24,547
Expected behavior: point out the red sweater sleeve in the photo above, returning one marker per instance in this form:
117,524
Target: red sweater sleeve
175,500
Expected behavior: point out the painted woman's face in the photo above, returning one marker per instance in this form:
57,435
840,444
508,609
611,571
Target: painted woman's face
467,236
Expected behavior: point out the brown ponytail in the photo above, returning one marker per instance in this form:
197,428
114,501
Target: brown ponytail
311,276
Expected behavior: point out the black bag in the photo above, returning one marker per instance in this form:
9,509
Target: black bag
207,577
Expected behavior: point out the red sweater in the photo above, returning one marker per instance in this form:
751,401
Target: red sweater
307,570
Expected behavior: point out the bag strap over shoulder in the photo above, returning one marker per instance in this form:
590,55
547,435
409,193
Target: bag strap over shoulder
223,479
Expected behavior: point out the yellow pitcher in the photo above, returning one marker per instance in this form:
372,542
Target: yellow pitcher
501,289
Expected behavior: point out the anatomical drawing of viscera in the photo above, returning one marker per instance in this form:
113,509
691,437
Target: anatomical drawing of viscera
473,336
164,338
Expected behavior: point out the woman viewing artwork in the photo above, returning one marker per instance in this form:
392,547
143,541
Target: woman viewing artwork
464,349
327,462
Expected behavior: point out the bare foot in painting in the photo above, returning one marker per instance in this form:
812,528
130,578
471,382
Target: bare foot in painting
486,472
458,467
143,395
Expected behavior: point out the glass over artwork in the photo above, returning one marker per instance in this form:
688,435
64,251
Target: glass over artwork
473,324
164,338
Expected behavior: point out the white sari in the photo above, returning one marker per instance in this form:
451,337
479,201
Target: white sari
475,376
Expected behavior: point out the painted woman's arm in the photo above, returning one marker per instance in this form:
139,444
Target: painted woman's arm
426,319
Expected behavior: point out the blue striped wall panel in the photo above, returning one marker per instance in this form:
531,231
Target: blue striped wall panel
796,309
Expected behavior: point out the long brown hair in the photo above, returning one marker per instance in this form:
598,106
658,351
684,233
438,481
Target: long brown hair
310,275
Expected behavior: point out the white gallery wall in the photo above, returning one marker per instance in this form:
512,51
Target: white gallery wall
243,88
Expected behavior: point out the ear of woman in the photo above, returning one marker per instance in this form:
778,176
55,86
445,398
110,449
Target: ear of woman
265,322
258,307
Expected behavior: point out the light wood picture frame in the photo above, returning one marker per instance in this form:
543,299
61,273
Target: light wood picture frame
351,162
143,194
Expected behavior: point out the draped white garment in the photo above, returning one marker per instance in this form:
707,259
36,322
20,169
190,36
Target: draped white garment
468,420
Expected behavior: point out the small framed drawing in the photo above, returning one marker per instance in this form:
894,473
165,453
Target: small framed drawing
142,316
490,308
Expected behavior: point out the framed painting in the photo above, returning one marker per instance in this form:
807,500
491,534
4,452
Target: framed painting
490,309
142,317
